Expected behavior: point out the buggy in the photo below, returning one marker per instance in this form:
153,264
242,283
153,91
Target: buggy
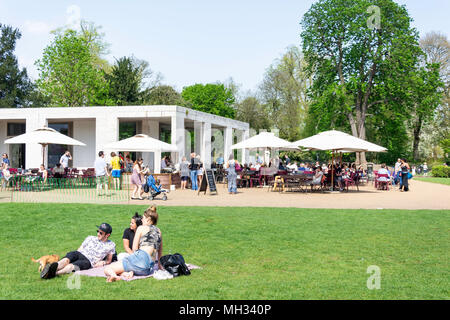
154,190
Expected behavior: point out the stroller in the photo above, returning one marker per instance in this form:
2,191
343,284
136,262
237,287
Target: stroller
153,189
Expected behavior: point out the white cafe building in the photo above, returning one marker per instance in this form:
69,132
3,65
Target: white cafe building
208,135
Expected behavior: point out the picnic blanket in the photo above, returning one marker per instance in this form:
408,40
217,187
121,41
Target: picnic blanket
99,272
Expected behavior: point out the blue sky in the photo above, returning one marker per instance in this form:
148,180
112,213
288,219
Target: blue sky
188,42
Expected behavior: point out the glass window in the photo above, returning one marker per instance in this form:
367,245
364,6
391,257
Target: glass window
15,129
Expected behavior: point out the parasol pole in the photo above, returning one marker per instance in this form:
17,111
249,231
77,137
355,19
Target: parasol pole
43,153
332,170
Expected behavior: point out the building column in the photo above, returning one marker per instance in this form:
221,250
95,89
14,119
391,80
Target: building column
228,142
206,145
106,131
152,159
245,152
34,122
177,137
198,138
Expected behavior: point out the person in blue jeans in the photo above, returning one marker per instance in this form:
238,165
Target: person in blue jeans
194,166
230,167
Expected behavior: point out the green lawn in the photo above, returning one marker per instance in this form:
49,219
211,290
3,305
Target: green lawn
245,253
434,180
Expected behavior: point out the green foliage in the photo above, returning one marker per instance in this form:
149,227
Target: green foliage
67,74
441,171
283,93
211,98
15,87
164,95
445,145
125,81
360,74
250,110
426,91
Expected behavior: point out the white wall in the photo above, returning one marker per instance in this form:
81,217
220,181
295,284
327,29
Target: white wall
84,131
3,132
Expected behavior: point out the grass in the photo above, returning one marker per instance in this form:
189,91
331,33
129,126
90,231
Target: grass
445,181
245,253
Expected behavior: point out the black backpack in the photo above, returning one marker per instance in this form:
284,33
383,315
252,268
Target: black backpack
174,264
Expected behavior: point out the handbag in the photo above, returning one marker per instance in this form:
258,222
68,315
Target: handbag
174,264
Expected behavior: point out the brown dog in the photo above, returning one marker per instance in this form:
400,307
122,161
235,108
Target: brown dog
46,259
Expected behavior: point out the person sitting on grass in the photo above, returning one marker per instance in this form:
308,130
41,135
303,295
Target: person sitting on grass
90,254
147,246
128,236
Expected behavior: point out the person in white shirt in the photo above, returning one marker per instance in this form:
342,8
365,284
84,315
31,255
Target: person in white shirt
91,254
425,169
292,166
101,173
383,171
64,160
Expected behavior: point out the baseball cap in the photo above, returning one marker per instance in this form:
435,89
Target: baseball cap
105,227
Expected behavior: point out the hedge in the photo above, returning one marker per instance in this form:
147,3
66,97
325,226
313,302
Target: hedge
441,171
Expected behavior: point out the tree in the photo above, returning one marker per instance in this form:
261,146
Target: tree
15,87
360,56
426,94
252,111
67,74
284,93
164,95
94,39
437,50
92,36
210,98
125,82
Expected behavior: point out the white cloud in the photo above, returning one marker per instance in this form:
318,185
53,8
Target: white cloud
73,20
37,27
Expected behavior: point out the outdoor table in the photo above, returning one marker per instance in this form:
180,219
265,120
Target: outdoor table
301,180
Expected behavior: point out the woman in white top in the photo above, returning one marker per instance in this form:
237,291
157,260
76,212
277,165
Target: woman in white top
199,170
43,173
383,171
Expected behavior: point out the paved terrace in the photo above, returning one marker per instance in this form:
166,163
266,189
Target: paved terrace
422,195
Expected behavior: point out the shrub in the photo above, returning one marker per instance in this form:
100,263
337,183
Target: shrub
441,171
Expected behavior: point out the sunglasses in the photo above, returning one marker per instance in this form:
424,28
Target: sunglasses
101,232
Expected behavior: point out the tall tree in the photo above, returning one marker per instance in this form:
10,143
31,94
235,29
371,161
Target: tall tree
15,87
98,47
164,95
67,74
426,93
210,98
127,81
284,93
252,111
360,52
437,50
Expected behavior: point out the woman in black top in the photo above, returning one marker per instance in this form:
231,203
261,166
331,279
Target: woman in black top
404,173
128,236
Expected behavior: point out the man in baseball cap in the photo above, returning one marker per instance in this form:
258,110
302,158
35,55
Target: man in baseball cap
91,254
105,227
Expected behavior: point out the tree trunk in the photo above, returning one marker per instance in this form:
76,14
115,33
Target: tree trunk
417,129
361,133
